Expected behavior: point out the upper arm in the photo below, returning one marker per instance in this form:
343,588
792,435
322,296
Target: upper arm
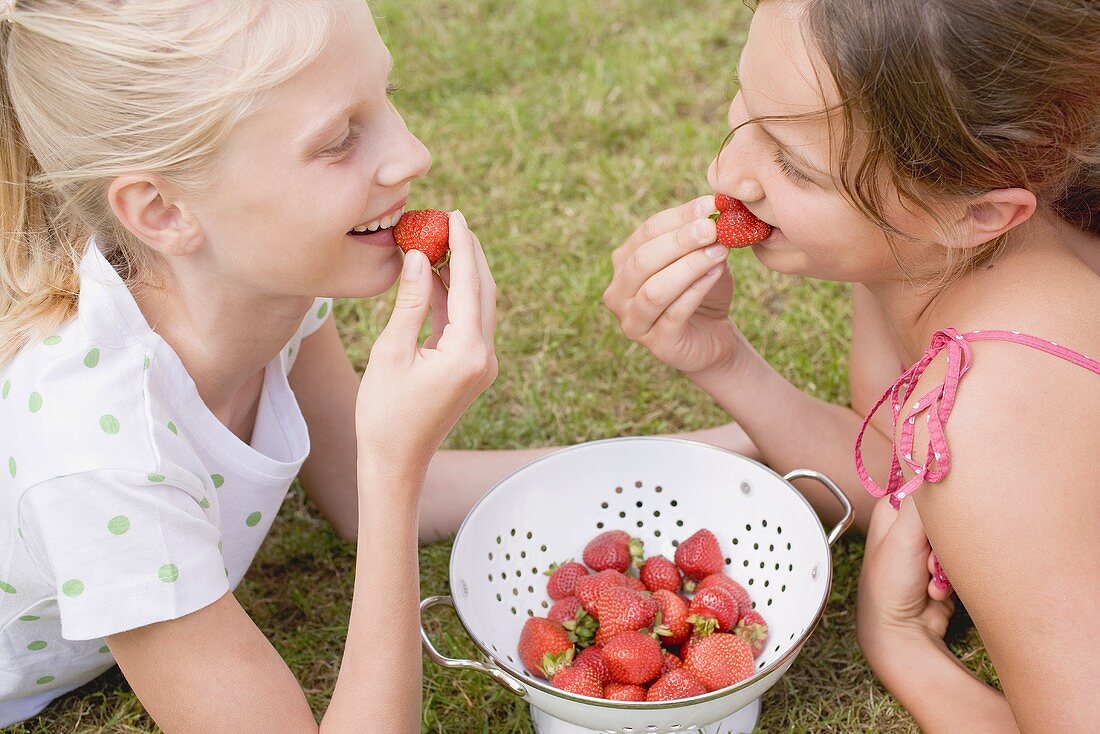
212,670
874,362
1015,524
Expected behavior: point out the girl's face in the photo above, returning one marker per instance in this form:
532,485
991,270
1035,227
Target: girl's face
327,153
783,170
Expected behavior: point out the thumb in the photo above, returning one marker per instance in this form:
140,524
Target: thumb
908,528
413,299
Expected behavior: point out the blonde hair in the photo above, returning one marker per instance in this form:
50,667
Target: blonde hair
94,89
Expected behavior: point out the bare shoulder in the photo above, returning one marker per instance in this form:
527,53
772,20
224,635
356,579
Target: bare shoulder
874,362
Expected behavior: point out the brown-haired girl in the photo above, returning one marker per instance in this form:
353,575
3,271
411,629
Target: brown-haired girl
944,158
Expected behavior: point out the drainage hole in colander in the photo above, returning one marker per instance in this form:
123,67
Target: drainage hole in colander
769,602
498,598
498,540
767,583
779,530
729,561
510,659
599,526
745,563
735,541
675,543
490,556
490,578
788,546
530,613
639,523
674,503
494,648
656,533
679,523
764,523
542,548
513,612
748,527
638,503
531,589
783,587
530,535
618,490
656,513
513,532
777,567
791,637
658,489
545,605
771,548
761,564
507,556
790,567
756,546
622,514
534,571
750,582
603,505
515,591
638,485
523,554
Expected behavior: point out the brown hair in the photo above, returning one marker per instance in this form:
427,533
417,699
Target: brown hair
954,99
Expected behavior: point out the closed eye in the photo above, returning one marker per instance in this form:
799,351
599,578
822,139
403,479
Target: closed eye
789,170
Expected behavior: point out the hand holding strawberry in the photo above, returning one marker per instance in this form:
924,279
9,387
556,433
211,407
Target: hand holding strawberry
411,395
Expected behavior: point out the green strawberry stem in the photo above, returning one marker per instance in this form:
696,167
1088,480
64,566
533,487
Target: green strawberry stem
704,626
637,552
552,664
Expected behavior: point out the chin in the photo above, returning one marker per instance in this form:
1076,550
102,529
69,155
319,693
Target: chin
370,281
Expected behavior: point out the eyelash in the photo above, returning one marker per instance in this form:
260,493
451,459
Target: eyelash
790,171
353,134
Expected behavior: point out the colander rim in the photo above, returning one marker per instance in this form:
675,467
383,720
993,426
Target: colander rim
544,687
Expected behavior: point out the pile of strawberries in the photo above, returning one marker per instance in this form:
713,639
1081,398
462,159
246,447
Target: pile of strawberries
624,637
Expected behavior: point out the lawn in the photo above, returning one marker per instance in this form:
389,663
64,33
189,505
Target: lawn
558,126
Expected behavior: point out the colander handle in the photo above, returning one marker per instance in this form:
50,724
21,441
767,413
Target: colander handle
845,521
446,662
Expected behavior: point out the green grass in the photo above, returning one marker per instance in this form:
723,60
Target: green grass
557,127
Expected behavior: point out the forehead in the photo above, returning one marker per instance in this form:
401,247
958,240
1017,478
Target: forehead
779,71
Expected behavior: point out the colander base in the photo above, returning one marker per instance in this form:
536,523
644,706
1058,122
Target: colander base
742,722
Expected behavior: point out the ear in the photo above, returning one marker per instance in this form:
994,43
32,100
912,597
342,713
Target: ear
992,214
153,211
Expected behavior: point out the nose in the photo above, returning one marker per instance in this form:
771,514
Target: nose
406,160
732,170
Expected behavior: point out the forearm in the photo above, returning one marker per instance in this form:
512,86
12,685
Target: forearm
793,430
458,479
380,673
939,692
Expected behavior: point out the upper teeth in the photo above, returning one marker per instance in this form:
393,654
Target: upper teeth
383,223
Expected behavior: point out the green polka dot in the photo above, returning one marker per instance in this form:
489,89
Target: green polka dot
28,618
35,402
322,310
118,524
204,504
168,573
6,587
44,680
6,389
37,645
52,340
73,588
12,468
104,649
146,363
252,520
91,359
172,428
156,477
218,480
109,424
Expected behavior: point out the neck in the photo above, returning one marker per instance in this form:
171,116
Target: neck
224,335
1041,248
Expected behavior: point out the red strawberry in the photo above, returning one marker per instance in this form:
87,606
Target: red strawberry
622,609
713,608
426,230
744,603
674,614
699,556
589,588
563,579
737,226
673,685
543,643
722,202
660,573
754,630
579,679
623,692
719,660
593,658
670,662
633,657
564,609
634,583
613,549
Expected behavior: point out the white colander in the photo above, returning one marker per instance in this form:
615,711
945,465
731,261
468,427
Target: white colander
661,490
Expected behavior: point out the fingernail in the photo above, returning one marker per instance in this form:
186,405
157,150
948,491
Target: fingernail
701,231
716,252
461,217
414,265
704,206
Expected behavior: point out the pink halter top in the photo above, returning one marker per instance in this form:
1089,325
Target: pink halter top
936,407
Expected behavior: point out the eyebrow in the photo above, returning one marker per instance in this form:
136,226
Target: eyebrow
316,135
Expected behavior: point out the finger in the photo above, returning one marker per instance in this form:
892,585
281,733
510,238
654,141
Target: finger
939,588
883,517
464,297
663,222
683,308
488,293
439,312
658,293
411,307
662,251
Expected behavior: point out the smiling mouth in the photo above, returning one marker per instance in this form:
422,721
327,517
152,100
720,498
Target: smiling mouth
376,225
